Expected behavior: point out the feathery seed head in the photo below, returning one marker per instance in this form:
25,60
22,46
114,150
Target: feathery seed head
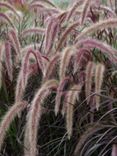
109,23
65,60
89,75
72,96
8,118
8,60
86,7
34,116
99,74
60,91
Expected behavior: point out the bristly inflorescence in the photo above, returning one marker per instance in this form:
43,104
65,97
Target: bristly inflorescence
69,51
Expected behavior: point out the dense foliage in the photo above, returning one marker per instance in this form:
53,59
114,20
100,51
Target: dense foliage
58,78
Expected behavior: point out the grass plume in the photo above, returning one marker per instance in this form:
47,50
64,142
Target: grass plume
99,74
8,118
89,76
72,96
35,115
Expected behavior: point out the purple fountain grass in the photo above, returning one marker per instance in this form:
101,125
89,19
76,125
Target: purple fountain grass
2,49
19,89
30,31
8,118
12,16
25,65
47,2
111,4
108,10
105,48
33,6
5,18
82,57
51,33
62,16
99,74
61,56
83,138
60,93
8,60
25,73
73,9
96,3
64,106
9,7
86,7
33,69
17,2
34,116
43,8
66,33
51,66
89,79
109,23
40,61
28,47
65,60
114,150
14,39
72,96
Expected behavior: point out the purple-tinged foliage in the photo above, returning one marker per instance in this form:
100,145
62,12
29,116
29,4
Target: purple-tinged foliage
46,2
9,7
109,23
114,150
51,33
34,116
65,61
14,40
52,63
51,66
86,7
25,65
73,9
30,31
105,48
8,60
60,93
66,33
72,96
89,79
99,74
8,118
108,10
42,8
82,57
4,17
